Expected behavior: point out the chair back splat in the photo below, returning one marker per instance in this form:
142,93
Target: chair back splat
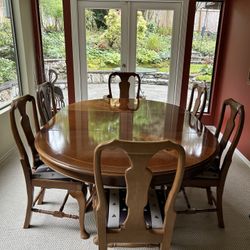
38,174
124,84
232,131
58,93
46,101
197,105
134,226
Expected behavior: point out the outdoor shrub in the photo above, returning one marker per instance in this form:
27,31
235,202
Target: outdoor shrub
53,15
164,31
204,44
141,26
53,45
99,15
113,32
146,56
155,42
8,70
90,20
99,59
204,78
112,58
207,69
6,41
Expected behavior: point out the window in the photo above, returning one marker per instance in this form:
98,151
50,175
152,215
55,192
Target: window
205,34
9,72
53,42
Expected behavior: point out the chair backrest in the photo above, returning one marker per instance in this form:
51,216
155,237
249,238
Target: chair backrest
24,105
53,76
138,179
124,84
58,93
198,100
46,101
230,126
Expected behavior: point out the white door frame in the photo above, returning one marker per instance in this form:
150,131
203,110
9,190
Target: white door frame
128,7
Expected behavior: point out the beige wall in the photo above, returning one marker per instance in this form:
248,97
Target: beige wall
23,23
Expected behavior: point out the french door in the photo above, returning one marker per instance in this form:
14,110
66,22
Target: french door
144,37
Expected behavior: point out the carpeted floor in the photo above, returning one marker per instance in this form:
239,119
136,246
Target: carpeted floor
197,231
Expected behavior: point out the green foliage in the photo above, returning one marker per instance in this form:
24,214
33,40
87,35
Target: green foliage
195,68
141,26
155,42
113,32
6,41
90,20
204,72
8,70
146,56
205,45
164,31
207,69
53,45
99,15
99,59
52,14
204,78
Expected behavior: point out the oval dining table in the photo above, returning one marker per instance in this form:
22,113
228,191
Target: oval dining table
67,142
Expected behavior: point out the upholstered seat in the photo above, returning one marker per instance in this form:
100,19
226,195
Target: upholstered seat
44,172
118,210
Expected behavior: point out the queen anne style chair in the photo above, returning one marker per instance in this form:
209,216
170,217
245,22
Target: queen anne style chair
196,107
46,102
230,126
137,215
58,94
197,101
40,175
124,84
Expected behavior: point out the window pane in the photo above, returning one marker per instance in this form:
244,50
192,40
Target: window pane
53,42
9,87
205,34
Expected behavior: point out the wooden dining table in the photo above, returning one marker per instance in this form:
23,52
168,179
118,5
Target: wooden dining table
67,142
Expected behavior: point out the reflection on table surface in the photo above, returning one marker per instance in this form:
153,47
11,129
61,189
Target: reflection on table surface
70,138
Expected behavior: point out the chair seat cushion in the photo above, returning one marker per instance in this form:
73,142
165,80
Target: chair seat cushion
44,172
212,170
153,212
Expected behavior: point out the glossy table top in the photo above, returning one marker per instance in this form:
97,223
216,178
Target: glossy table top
68,141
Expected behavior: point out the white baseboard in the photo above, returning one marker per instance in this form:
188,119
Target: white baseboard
6,155
242,157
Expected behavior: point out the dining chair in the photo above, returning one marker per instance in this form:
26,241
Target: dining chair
46,102
228,133
40,175
124,84
196,107
137,215
197,100
58,93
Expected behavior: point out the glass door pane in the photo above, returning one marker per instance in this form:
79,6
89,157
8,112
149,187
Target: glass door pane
153,51
103,49
157,48
205,34
9,68
53,42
